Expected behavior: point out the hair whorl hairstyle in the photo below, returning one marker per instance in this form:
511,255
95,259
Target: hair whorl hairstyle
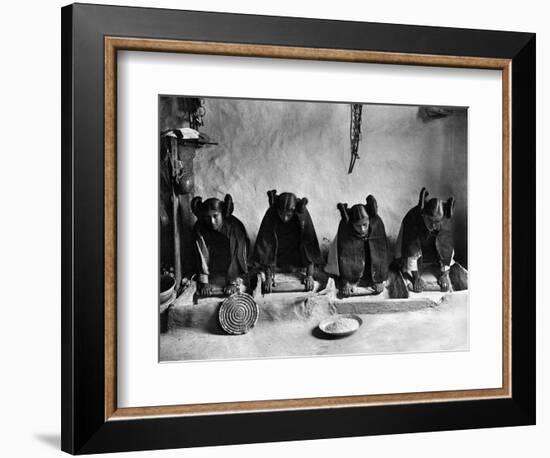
227,206
448,207
301,204
372,205
272,197
423,198
196,205
343,208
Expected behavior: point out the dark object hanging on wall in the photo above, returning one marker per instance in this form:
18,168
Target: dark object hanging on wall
431,113
194,109
355,133
187,136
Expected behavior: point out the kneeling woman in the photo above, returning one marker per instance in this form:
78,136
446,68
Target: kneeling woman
286,241
426,243
221,245
359,253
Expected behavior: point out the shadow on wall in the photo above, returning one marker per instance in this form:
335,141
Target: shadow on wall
304,147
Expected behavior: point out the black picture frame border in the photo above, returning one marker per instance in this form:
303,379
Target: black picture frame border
84,429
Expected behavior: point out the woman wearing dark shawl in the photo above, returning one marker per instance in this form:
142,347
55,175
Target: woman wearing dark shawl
426,237
221,244
287,240
359,253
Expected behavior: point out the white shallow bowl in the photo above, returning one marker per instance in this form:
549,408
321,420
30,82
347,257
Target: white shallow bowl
341,325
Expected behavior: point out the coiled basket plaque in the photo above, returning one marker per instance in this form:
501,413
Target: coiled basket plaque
238,314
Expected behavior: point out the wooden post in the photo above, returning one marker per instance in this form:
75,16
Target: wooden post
176,220
186,154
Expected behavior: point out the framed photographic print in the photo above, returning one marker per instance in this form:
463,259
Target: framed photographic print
271,222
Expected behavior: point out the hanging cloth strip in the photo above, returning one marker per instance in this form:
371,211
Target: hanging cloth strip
355,133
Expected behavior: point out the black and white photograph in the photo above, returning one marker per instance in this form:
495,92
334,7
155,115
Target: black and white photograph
275,229
292,228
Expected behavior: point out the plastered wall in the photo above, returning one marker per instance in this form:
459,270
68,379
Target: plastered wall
305,148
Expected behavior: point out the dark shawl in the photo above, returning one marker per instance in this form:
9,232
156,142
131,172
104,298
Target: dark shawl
415,234
265,249
356,253
239,246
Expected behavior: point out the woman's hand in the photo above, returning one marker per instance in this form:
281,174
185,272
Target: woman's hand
444,281
204,289
346,289
378,287
418,283
231,288
269,281
309,282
